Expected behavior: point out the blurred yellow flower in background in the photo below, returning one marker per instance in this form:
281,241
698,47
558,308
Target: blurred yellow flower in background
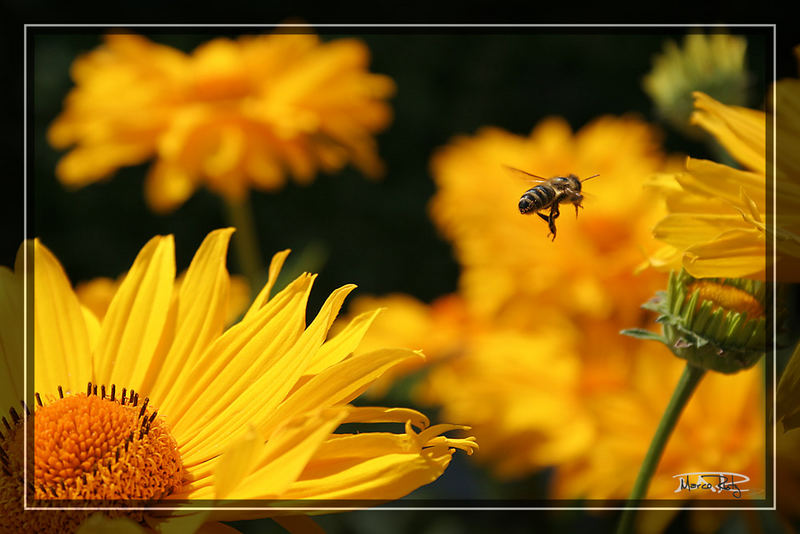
722,429
538,364
713,64
522,394
232,115
180,406
539,320
508,270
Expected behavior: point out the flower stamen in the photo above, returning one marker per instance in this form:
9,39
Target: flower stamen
88,446
726,297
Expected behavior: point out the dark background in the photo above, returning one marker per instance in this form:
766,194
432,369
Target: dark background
374,234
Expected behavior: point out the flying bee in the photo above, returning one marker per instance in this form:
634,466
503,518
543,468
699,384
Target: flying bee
549,194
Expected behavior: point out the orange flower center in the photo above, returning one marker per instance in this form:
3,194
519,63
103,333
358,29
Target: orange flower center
727,297
87,446
90,446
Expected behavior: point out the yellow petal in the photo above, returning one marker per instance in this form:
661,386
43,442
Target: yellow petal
742,131
201,314
343,344
734,254
133,325
88,164
236,463
338,384
11,339
61,350
275,266
714,180
252,398
236,360
287,453
683,230
168,186
374,414
92,326
385,476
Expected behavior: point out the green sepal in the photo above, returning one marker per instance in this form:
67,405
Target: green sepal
641,333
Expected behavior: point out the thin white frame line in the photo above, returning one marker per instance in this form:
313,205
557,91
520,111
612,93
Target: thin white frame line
386,25
393,508
774,267
773,26
25,265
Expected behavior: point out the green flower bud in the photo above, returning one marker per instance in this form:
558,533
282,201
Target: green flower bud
713,323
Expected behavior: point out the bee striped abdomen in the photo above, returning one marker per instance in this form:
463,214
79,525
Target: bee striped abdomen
536,198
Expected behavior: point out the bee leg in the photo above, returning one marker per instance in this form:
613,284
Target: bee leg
545,218
551,221
578,203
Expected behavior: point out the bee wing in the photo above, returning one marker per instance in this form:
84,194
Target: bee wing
519,173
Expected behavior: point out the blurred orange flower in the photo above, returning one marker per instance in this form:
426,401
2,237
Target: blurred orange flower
232,115
509,271
538,321
538,366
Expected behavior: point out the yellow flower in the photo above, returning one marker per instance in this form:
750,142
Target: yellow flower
509,270
160,400
713,64
232,115
717,226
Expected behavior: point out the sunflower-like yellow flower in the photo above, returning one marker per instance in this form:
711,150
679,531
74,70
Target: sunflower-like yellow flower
713,64
717,225
232,115
160,400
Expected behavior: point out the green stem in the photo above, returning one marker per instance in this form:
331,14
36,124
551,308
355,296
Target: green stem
680,397
245,242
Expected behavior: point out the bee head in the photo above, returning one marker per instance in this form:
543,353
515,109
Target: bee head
573,182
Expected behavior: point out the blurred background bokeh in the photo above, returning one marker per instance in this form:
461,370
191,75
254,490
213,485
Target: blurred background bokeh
379,234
